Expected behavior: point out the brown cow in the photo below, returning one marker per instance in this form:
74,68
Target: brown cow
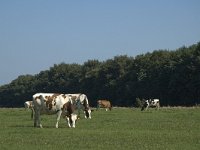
104,104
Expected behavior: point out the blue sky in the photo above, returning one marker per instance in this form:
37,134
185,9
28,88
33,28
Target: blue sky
35,35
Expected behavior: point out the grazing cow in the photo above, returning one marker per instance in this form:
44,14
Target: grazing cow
104,104
51,103
151,103
29,105
81,101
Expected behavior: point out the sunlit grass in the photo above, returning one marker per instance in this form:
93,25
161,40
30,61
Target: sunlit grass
121,128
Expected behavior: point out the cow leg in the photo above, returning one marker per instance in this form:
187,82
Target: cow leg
147,107
58,117
90,114
71,120
157,106
68,121
73,123
85,114
37,119
32,113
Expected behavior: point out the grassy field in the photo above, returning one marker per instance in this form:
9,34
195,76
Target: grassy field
121,128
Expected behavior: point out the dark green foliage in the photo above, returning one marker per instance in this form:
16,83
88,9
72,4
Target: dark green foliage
138,103
171,76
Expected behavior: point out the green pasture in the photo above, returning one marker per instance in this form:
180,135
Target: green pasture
121,128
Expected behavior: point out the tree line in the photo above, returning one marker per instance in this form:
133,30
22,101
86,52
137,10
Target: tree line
171,76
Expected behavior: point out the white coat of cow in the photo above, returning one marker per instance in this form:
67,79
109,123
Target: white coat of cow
151,103
51,103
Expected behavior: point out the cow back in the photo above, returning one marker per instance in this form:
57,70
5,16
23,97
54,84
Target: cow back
49,103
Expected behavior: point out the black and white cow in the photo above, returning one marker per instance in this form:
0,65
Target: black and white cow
151,103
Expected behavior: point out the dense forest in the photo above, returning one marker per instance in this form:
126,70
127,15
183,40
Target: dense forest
171,76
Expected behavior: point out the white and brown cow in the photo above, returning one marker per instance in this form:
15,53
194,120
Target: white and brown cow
69,110
51,103
151,103
29,105
104,104
81,102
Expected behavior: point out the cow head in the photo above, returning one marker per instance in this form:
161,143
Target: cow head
87,110
145,104
87,113
99,102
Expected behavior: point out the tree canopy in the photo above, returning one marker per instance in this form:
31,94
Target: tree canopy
171,76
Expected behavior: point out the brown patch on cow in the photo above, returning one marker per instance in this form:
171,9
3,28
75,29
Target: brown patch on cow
37,97
64,96
51,101
68,109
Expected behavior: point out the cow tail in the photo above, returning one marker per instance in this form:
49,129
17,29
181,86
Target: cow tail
32,113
